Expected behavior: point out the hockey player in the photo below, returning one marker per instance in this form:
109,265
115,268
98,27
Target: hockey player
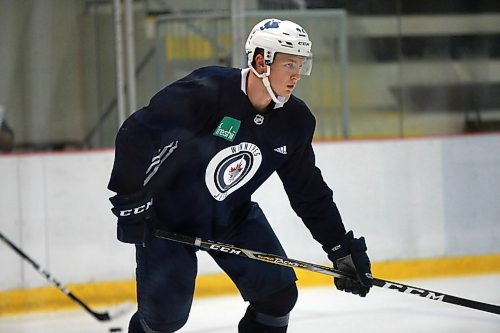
189,162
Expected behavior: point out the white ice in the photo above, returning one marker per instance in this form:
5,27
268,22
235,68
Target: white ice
318,310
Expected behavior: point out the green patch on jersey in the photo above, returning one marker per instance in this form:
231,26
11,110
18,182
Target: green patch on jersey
228,128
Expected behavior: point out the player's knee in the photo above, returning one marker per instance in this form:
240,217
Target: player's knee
279,303
269,314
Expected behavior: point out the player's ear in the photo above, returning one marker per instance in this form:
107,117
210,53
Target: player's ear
260,65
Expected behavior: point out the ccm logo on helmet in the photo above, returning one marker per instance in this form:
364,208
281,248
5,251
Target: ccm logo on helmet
304,43
137,210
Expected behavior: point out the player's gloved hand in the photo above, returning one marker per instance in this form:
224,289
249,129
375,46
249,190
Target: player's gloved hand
135,214
350,257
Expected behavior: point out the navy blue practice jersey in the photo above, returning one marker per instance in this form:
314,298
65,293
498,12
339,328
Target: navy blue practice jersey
206,149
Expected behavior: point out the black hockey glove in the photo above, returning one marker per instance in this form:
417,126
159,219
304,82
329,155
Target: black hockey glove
135,214
350,257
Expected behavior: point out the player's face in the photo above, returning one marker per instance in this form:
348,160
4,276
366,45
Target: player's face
285,73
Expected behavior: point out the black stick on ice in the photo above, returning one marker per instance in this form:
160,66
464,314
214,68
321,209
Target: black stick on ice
101,316
292,263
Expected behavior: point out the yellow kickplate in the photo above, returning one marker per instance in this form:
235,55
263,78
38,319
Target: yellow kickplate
101,294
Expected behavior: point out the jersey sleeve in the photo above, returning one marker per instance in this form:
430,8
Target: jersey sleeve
175,114
310,197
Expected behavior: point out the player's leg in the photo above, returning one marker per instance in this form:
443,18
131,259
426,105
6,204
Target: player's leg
165,276
270,289
269,314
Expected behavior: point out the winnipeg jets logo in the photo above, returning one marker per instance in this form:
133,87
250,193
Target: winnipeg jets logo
272,24
231,168
236,170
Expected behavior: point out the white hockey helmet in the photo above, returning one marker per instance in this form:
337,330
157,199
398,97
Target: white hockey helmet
273,35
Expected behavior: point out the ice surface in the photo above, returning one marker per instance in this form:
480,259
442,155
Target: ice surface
318,310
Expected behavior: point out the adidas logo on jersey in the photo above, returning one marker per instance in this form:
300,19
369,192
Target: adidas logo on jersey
281,150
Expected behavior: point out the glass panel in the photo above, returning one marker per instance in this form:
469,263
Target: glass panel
411,67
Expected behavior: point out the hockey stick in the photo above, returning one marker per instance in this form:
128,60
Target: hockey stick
292,263
101,316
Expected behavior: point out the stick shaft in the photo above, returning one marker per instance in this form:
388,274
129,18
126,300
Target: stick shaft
292,263
99,316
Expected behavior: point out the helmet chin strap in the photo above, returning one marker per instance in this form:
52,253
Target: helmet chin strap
267,84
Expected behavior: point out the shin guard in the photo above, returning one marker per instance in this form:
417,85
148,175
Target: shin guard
270,314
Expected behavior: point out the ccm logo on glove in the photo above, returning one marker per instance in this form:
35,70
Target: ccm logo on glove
137,210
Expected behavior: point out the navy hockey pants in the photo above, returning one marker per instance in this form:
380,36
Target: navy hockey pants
166,272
